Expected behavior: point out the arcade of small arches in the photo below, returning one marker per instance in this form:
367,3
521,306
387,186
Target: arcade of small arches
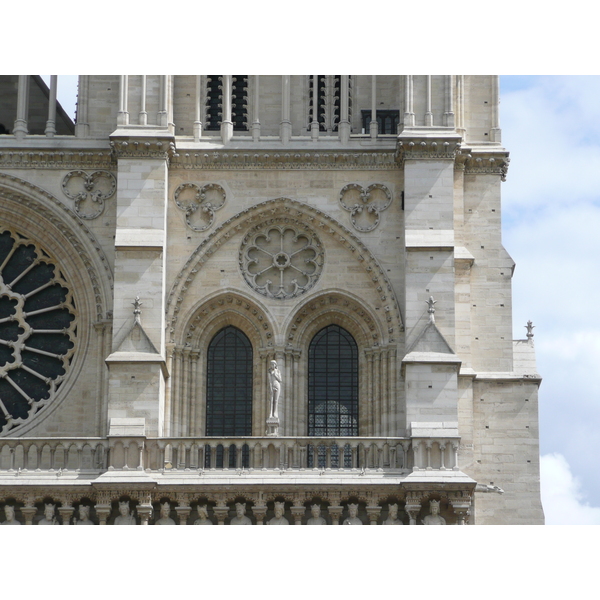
336,381
238,508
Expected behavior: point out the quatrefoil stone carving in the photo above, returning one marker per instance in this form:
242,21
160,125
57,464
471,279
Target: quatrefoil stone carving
365,205
89,191
199,204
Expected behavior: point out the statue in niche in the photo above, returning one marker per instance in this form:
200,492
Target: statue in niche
279,519
125,517
434,518
240,515
9,511
392,516
352,518
49,517
203,516
275,389
84,515
165,509
316,519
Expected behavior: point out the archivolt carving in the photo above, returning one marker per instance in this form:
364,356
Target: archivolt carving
229,304
204,201
281,261
89,190
365,205
298,214
37,329
21,197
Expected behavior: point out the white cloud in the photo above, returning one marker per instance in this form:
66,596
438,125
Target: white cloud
562,498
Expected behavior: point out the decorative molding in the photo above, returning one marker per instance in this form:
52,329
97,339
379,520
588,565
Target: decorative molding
418,148
370,203
143,148
297,211
495,163
85,188
286,250
22,196
56,159
208,198
301,160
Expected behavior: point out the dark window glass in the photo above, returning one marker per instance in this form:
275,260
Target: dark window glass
229,384
387,121
333,383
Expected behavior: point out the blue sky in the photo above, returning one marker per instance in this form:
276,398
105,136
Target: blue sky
551,226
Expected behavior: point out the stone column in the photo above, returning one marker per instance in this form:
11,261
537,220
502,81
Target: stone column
256,106
409,115
314,124
495,131
199,109
428,113
260,512
123,114
29,513
285,128
336,514
226,123
143,116
344,125
183,512
20,126
51,123
66,512
449,101
373,123
82,127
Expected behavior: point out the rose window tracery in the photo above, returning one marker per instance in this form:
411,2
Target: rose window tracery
38,327
281,261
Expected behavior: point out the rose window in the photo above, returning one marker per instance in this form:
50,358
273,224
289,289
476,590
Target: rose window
37,329
281,262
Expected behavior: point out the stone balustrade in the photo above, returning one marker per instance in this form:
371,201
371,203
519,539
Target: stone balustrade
239,453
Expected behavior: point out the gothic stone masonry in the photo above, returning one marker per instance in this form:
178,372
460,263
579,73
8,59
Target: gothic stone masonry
158,255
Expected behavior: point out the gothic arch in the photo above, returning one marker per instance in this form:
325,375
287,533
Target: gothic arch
187,404
27,210
299,214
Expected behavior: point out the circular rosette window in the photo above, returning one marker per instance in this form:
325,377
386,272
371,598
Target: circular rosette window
281,262
37,329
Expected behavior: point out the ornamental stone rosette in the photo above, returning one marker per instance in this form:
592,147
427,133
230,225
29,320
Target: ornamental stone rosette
281,261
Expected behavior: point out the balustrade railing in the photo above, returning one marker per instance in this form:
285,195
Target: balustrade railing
226,453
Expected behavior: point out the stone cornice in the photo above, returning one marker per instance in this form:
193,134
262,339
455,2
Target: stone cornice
55,158
493,162
415,146
289,160
124,145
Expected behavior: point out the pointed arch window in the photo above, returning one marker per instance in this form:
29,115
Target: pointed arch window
333,383
229,384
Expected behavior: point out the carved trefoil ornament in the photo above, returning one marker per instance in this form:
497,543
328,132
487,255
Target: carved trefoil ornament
89,191
281,261
199,204
365,205
38,327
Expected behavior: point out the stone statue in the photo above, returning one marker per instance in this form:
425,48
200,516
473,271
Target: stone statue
203,516
165,509
9,511
529,328
352,518
84,516
275,387
125,517
316,519
240,515
279,519
434,518
392,516
49,518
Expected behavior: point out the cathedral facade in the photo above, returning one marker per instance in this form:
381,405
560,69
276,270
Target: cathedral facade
260,300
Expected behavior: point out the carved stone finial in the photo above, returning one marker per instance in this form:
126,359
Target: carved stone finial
529,328
431,310
137,311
